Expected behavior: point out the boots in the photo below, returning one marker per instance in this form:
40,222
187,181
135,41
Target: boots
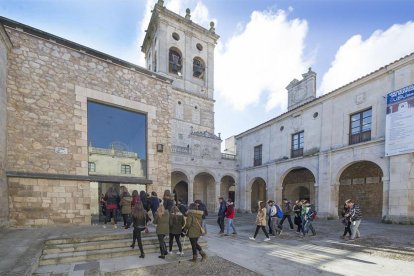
203,256
194,259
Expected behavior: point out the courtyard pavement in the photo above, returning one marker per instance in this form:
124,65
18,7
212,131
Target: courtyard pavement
383,249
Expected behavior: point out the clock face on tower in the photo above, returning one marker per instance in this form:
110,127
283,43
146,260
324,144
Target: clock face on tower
298,94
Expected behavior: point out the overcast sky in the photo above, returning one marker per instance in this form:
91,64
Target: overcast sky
264,44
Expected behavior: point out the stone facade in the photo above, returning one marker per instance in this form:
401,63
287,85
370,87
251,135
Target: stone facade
49,84
5,47
327,152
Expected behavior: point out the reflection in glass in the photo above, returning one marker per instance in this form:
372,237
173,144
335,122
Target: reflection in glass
116,141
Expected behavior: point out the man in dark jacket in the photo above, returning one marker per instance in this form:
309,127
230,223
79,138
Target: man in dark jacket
182,207
154,202
287,213
221,214
355,217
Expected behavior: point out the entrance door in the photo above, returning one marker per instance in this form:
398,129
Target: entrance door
102,189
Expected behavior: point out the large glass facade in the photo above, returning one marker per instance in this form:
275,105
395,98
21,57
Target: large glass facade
117,141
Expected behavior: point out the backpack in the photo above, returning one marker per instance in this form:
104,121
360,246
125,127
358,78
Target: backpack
279,212
312,213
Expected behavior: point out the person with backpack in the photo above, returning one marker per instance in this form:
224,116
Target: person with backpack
308,215
177,223
168,201
181,206
261,221
274,213
287,213
140,220
297,210
230,216
154,202
221,214
346,221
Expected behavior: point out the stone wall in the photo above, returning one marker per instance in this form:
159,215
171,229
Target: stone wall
4,49
39,202
49,85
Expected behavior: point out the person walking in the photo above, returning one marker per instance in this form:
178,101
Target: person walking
140,219
346,221
308,214
221,214
272,218
261,221
167,201
230,217
287,213
154,202
144,200
162,220
297,210
125,205
112,201
195,230
177,223
355,217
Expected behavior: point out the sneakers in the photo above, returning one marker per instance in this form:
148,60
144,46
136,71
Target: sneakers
115,226
252,238
169,252
180,253
267,239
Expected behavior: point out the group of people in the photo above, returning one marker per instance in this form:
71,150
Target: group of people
275,215
352,216
171,218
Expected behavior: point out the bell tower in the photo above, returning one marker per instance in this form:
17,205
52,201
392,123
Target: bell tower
177,47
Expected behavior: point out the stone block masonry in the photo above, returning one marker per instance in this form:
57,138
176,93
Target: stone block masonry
40,202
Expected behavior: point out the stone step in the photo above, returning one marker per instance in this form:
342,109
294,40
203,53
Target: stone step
93,238
89,255
95,245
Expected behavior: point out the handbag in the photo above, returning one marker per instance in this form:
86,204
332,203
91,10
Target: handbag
203,231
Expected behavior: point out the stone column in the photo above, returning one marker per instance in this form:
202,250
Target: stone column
190,191
217,194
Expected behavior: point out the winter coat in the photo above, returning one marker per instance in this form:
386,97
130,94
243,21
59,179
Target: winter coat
183,209
177,223
261,217
163,223
111,202
203,208
230,211
193,224
222,209
168,204
126,205
154,203
141,223
135,200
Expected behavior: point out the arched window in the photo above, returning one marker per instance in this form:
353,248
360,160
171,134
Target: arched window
175,61
198,68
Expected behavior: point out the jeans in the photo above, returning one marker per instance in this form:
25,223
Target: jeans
264,231
275,226
177,239
163,247
195,246
110,213
220,222
126,218
289,220
354,229
307,224
136,235
230,224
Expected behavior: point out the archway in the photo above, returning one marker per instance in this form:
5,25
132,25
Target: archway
227,187
258,193
362,182
205,190
299,184
179,186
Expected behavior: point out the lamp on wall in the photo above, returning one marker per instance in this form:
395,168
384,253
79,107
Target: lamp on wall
160,148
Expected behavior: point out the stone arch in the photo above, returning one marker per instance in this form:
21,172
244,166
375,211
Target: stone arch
227,187
175,61
199,67
205,189
299,183
258,193
179,185
361,181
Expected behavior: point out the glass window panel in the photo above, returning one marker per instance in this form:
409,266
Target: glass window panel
117,136
355,124
355,130
355,117
366,127
367,113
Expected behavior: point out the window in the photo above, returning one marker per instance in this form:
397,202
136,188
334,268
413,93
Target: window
198,68
175,61
360,127
257,161
125,169
92,167
116,136
297,144
176,36
199,47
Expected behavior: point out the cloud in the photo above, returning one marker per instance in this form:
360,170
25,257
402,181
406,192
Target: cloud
358,57
199,15
260,60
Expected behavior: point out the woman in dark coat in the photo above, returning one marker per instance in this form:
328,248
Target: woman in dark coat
144,200
140,219
193,227
168,202
162,220
177,223
112,201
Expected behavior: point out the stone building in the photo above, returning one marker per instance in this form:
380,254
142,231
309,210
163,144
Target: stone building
331,148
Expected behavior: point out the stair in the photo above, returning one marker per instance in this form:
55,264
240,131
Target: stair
96,247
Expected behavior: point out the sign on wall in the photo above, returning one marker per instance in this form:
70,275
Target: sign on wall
399,128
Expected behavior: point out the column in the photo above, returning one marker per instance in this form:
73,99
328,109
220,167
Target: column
190,191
